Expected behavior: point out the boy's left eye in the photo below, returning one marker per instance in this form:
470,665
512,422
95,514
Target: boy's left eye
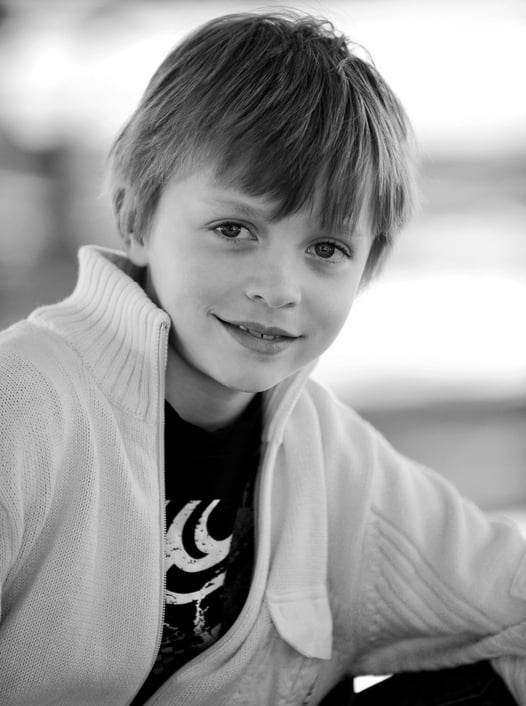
330,251
232,231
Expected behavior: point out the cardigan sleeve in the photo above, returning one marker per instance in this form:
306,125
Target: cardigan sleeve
430,580
444,584
29,437
11,514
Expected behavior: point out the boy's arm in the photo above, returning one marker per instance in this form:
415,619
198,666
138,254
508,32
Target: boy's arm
441,584
12,477
9,503
446,585
27,426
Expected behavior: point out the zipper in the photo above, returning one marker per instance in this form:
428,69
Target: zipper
162,361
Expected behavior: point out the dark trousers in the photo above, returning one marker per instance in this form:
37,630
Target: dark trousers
471,685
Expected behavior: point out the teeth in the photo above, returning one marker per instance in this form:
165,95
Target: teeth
265,336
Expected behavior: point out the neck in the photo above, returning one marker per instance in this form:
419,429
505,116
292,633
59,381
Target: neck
199,400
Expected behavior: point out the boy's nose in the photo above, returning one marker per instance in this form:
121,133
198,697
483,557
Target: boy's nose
275,286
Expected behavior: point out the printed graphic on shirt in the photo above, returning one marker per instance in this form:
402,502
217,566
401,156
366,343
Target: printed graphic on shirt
196,552
202,552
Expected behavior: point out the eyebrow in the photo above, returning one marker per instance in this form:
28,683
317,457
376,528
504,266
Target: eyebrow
243,208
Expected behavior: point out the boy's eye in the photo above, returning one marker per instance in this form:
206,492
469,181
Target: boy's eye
330,251
232,231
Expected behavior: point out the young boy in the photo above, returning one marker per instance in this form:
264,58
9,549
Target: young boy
185,517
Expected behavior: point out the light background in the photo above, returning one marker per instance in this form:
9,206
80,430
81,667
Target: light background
434,353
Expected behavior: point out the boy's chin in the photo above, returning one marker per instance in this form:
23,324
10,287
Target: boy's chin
254,383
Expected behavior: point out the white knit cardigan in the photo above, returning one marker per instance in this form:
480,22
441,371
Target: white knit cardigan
365,561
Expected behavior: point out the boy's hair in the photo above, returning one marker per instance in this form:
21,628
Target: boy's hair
284,107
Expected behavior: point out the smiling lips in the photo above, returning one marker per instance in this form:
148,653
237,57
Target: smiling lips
257,337
267,333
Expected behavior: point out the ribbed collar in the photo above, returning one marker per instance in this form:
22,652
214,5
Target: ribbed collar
114,327
122,336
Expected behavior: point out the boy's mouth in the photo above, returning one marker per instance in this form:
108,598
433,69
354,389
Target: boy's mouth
258,338
267,333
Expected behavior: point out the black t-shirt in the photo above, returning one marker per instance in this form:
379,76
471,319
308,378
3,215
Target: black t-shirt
209,541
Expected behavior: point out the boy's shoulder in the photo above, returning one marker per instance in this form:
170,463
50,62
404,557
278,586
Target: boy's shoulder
32,359
348,437
332,410
342,429
27,339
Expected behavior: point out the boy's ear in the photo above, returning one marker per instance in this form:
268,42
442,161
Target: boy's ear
137,250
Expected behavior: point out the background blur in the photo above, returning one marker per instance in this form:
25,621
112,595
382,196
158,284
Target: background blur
434,352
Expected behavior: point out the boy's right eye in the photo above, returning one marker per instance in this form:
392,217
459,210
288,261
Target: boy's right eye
233,231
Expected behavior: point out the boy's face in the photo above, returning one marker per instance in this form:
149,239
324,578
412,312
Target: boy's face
251,300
